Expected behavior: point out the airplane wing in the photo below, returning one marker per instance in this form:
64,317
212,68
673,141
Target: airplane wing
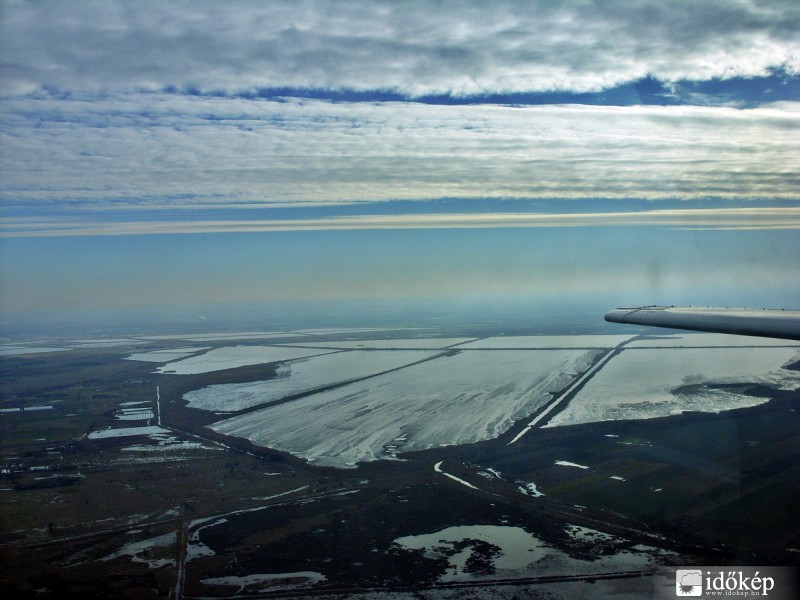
784,324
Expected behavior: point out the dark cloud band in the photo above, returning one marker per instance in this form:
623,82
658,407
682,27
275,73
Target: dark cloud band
455,49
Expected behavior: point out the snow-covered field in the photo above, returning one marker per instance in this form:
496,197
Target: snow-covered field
529,489
401,344
165,445
547,341
217,337
235,356
269,582
302,375
162,356
135,414
64,345
20,350
127,432
648,382
566,463
107,343
459,399
351,330
140,551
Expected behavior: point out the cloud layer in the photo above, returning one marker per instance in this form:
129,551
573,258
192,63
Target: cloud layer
149,105
415,48
166,149
531,151
787,218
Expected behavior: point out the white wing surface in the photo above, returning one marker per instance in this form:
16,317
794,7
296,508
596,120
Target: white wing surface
783,324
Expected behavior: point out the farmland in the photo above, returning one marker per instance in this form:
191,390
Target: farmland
318,461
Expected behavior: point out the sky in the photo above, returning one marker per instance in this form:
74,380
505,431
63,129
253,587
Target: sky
192,163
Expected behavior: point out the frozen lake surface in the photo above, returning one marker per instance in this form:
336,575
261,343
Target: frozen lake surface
460,399
645,383
162,356
514,552
707,340
302,375
235,356
386,402
518,548
400,344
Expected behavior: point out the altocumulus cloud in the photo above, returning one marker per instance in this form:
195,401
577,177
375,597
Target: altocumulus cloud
414,48
751,218
119,105
167,149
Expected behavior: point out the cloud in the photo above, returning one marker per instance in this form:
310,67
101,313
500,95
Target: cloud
414,48
785,218
165,149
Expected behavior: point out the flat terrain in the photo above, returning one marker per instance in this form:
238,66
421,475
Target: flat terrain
123,476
